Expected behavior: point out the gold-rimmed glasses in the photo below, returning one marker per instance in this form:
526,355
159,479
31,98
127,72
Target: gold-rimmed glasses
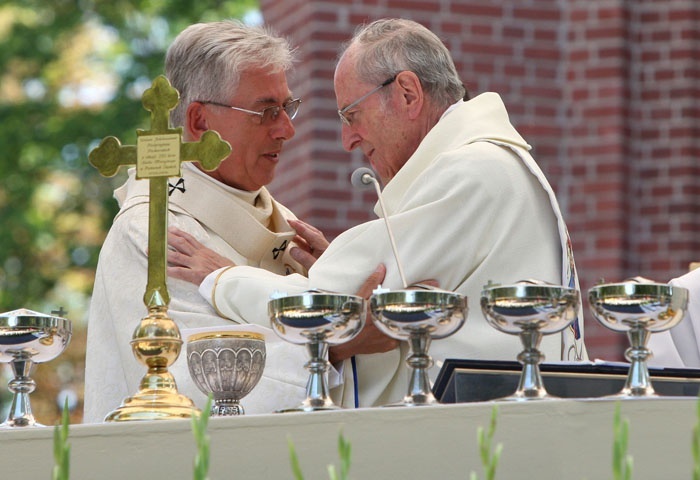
267,114
342,113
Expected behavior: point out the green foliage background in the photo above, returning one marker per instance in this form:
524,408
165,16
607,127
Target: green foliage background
71,73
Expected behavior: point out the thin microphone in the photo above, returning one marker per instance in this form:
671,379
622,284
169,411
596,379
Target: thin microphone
362,177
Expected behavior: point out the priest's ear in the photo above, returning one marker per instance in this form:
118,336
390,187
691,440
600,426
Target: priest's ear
196,120
412,95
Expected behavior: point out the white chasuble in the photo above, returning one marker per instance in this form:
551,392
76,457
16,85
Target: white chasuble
680,346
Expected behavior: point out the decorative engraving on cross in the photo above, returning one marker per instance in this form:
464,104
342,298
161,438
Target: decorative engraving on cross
158,155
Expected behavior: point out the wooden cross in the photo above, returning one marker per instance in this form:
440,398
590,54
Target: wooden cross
158,155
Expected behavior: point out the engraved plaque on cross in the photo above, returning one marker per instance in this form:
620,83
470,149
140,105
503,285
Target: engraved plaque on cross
157,155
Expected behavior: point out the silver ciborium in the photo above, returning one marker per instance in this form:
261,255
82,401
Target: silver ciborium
317,320
530,309
27,338
227,365
638,307
418,317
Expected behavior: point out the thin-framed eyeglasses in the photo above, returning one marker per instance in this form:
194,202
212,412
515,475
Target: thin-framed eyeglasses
267,114
343,111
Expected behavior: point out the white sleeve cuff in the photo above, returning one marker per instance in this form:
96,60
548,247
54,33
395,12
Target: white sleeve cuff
206,288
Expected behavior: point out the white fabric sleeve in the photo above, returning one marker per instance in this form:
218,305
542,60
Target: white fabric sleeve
680,346
242,293
206,288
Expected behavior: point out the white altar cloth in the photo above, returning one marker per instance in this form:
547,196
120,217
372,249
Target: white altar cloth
547,440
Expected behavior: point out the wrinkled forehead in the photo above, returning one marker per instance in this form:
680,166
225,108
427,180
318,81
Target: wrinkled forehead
346,81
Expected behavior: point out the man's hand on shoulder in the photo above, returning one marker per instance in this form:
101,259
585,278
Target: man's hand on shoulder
189,259
311,243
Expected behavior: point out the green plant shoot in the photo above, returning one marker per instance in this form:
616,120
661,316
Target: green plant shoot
489,456
61,447
294,460
199,429
344,451
622,461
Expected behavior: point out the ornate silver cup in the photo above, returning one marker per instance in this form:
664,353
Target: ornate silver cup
27,338
317,320
227,364
418,316
530,309
638,307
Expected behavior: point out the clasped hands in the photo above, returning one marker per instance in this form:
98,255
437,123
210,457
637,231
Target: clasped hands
190,260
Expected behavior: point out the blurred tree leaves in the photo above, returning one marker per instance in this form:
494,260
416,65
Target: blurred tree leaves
71,73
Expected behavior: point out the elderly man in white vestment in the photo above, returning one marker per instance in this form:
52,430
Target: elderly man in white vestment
466,202
680,346
231,79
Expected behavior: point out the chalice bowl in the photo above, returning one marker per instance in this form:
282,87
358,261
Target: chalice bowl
317,320
227,365
530,309
638,307
28,338
418,317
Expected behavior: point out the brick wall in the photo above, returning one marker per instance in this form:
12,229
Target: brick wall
607,92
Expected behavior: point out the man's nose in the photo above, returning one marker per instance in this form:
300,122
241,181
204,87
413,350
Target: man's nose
349,138
284,127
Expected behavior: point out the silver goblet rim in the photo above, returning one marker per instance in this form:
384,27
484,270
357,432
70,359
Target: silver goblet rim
225,334
526,291
418,297
312,301
635,289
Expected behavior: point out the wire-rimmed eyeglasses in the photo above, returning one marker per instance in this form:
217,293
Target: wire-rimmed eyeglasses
267,114
342,112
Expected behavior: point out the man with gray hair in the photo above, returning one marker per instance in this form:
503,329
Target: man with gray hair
467,203
231,79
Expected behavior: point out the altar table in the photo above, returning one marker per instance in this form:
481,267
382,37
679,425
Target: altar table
542,440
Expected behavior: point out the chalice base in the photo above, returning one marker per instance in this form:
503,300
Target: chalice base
527,396
226,408
312,405
630,393
20,423
416,400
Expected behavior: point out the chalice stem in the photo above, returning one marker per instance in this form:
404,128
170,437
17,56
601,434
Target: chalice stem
20,414
419,362
317,385
530,384
638,380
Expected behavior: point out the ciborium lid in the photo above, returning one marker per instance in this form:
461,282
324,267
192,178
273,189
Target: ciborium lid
24,318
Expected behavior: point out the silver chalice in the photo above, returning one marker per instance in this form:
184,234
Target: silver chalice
530,309
227,365
418,317
638,307
317,320
28,338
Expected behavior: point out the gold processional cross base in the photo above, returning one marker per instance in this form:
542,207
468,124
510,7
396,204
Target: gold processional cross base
156,341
